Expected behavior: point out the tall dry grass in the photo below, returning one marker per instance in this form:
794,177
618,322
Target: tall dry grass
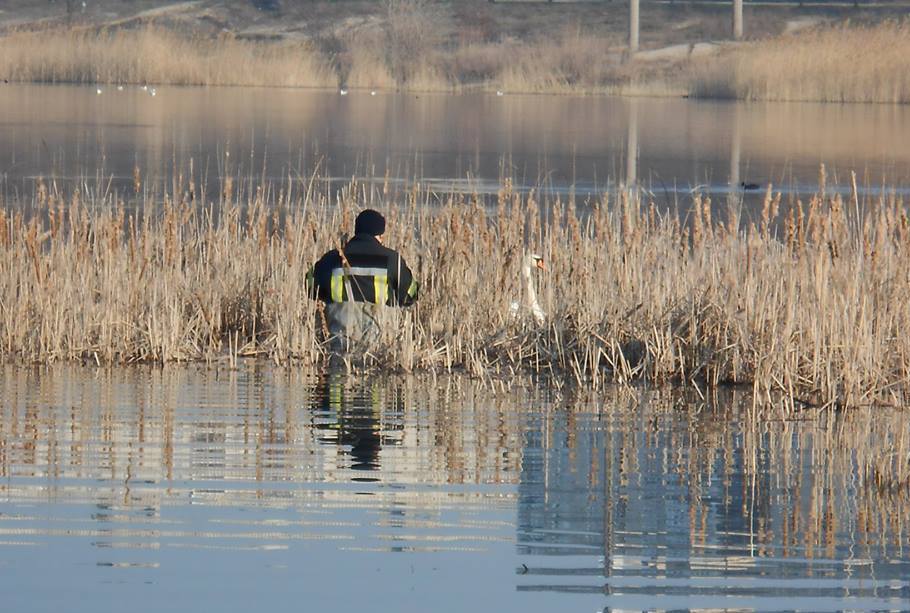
158,55
409,53
364,65
412,36
843,64
815,309
412,50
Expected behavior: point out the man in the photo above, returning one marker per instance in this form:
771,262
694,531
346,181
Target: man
358,281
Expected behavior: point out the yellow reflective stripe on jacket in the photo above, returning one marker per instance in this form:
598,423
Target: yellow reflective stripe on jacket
337,288
412,291
381,289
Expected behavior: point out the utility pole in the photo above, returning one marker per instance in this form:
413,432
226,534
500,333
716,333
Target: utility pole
737,19
633,26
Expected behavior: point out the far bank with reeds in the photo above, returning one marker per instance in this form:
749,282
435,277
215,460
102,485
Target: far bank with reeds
837,64
815,308
831,64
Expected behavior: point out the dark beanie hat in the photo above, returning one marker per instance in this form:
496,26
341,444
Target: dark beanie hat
370,222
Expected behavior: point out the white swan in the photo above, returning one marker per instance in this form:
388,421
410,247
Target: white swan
530,261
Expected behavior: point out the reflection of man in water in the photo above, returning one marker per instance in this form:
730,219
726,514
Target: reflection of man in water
360,430
358,425
359,280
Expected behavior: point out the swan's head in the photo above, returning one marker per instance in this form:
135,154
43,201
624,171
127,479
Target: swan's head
530,262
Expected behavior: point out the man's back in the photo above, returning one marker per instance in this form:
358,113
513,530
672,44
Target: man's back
359,282
364,271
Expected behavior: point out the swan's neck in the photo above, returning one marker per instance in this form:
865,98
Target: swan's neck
529,285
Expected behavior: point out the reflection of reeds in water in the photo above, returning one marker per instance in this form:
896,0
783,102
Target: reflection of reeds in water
701,486
809,486
135,444
816,312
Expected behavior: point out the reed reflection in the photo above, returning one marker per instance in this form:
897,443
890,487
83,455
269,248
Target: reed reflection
617,494
662,495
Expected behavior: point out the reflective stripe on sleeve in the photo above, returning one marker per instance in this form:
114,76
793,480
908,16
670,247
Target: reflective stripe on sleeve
412,291
337,287
381,289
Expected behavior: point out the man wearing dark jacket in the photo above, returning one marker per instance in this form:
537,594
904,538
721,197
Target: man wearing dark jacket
356,282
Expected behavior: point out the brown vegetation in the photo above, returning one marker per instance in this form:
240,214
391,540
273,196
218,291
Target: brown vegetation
816,310
157,55
411,46
842,64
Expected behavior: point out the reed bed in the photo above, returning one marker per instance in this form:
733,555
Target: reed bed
842,64
409,51
570,62
158,55
813,307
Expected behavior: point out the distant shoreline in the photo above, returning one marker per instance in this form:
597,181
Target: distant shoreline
820,64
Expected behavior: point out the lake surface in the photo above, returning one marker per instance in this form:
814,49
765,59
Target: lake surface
561,144
198,488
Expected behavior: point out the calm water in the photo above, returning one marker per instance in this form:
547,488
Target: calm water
196,489
557,143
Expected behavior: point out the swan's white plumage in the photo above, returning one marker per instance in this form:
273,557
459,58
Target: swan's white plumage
530,262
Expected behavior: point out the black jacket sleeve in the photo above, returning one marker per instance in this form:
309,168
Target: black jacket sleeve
319,279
